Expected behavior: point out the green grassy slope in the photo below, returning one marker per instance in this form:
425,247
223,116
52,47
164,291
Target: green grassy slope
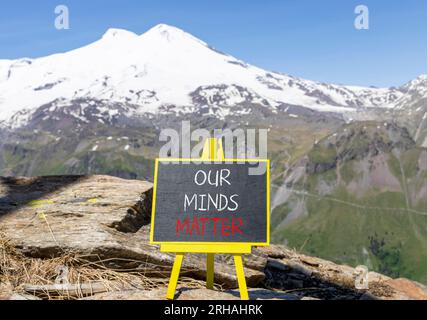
380,222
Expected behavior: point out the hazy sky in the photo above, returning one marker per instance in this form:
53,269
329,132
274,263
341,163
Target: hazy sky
312,39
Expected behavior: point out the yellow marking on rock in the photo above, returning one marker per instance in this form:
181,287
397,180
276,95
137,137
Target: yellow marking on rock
40,203
93,200
42,216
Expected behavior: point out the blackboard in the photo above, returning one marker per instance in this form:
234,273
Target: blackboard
210,203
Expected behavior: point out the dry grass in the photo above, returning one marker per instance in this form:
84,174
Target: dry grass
17,271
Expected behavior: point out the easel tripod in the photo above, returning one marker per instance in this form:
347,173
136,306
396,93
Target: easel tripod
212,151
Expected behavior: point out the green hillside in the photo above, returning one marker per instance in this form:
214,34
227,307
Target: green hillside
364,196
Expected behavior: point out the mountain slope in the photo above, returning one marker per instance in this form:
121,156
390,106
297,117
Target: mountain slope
361,200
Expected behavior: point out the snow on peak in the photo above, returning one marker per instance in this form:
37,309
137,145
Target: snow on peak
169,34
421,80
114,33
165,28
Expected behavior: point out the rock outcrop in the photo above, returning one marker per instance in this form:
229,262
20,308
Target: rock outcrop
99,217
106,219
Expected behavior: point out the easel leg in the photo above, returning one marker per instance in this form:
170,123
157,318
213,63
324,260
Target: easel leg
174,276
210,270
241,277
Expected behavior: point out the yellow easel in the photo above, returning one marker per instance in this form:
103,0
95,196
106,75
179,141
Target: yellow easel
212,151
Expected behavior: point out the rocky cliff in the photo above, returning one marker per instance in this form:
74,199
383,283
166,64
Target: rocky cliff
86,237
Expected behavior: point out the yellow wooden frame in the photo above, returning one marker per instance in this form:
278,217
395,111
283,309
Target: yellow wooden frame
171,244
212,152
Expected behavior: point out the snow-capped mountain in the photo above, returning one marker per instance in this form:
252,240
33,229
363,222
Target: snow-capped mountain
165,68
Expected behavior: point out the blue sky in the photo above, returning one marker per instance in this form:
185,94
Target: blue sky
306,38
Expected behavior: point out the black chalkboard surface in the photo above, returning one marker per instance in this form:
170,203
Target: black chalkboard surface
210,203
